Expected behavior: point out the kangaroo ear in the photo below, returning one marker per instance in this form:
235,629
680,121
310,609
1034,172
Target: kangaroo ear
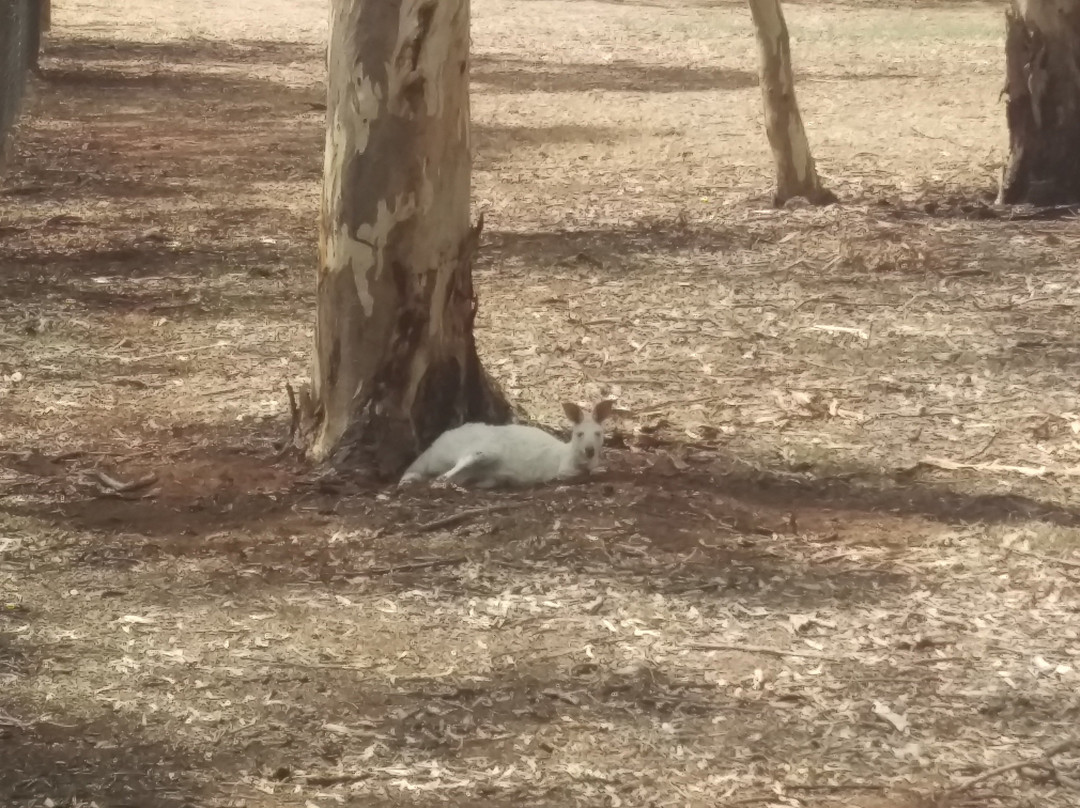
602,411
573,412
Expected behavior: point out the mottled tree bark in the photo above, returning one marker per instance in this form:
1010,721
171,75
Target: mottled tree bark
1042,86
796,174
395,362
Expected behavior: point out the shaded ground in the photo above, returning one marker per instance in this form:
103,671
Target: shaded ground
834,559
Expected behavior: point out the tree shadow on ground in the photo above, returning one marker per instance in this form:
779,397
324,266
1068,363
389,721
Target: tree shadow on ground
246,97
604,248
149,278
142,133
107,762
459,722
871,5
12,660
890,495
500,74
697,530
238,503
976,203
224,475
152,117
239,543
181,51
497,74
492,144
48,756
453,717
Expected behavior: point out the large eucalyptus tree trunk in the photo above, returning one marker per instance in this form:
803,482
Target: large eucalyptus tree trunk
395,362
795,171
1042,85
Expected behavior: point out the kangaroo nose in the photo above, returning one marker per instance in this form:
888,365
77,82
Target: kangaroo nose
590,452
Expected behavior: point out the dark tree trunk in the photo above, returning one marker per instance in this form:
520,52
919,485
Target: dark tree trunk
1042,86
395,361
33,38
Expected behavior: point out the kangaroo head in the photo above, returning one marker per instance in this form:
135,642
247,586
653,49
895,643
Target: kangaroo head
587,437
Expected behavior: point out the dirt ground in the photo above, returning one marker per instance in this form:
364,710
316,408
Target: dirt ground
833,562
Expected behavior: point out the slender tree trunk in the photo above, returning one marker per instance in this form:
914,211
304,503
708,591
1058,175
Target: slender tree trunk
45,10
395,362
33,39
1042,86
795,171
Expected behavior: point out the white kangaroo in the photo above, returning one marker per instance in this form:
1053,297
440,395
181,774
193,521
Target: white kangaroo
486,456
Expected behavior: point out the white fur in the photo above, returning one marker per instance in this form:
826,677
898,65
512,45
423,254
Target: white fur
486,456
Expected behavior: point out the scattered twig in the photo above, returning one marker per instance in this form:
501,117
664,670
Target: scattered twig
11,721
122,487
1042,557
842,329
335,779
22,190
220,391
558,695
843,301
416,565
934,660
329,666
835,786
934,137
1027,471
662,406
761,649
162,354
983,449
1065,780
463,516
1042,760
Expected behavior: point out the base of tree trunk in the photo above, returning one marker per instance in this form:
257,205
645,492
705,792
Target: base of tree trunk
796,174
818,195
426,381
395,362
1043,111
384,440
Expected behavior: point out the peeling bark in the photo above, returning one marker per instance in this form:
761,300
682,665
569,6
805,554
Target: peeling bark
1042,88
395,362
796,175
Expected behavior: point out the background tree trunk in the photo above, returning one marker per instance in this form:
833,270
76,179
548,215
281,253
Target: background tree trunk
34,9
1042,85
395,362
795,171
